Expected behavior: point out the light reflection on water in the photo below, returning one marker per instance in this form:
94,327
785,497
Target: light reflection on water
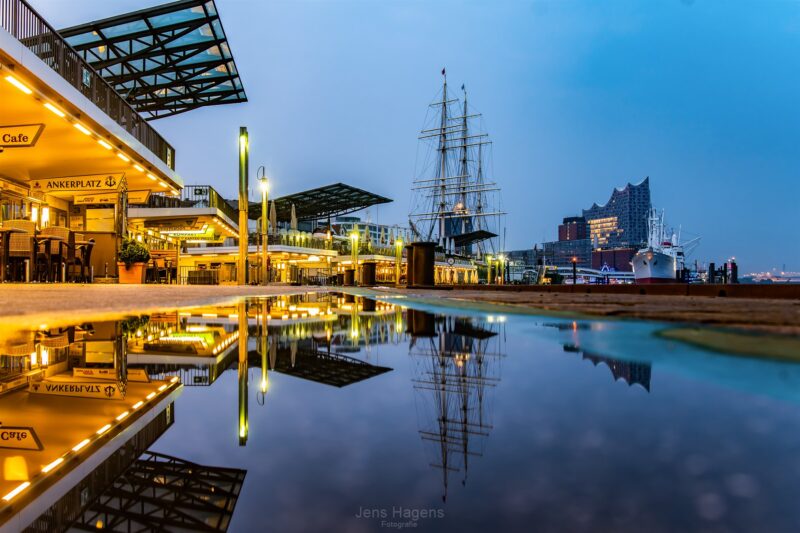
351,414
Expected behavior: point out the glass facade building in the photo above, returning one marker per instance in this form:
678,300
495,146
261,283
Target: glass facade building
622,221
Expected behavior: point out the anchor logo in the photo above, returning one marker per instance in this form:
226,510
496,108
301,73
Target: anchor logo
109,390
110,181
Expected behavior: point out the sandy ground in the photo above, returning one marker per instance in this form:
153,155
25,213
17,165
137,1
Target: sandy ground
772,316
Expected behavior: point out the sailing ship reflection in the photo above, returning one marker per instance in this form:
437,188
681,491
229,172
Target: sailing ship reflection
456,366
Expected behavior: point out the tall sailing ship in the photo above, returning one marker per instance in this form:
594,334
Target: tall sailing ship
455,204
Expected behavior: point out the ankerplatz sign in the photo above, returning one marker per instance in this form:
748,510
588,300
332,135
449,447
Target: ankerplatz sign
91,182
103,391
20,136
19,438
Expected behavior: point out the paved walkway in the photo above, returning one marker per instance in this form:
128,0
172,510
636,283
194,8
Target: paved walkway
34,304
773,316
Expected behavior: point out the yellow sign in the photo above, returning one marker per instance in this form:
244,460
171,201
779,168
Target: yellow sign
19,438
13,187
104,391
134,374
100,198
93,182
20,136
138,197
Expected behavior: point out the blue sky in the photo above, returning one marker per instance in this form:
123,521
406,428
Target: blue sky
579,97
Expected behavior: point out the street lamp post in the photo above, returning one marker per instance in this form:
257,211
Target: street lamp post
574,271
264,183
489,270
398,258
354,253
244,158
501,268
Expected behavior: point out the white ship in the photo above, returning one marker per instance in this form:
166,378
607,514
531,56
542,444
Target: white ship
663,258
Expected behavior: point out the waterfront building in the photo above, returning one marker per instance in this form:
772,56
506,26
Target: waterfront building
77,147
572,229
616,259
562,253
622,221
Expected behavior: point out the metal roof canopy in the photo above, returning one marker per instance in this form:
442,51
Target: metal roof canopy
164,60
323,202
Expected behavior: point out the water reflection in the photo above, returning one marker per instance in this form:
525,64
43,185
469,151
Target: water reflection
334,402
631,372
456,365
327,339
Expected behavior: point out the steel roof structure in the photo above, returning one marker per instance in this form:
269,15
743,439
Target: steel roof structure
163,60
320,203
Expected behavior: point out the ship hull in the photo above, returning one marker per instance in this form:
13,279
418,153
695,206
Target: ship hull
650,266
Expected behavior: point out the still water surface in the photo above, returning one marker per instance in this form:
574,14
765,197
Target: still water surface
352,415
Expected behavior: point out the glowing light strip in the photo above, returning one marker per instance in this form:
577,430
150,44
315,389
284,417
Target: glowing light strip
20,488
81,128
18,84
103,429
52,465
80,445
104,144
54,109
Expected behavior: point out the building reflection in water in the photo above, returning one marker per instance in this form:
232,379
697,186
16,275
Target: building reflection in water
324,339
456,366
631,372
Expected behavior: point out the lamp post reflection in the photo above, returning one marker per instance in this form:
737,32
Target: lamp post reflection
264,338
243,335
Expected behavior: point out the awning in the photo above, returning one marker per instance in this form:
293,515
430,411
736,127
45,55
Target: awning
320,203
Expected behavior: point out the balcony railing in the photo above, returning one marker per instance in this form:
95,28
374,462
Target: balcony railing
19,19
194,196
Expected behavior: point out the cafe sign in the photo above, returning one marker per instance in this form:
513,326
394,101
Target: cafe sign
19,438
20,136
102,391
92,182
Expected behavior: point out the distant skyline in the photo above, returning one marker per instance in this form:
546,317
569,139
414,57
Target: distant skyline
578,96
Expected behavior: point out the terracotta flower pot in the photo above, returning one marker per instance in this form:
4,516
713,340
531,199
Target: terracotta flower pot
132,275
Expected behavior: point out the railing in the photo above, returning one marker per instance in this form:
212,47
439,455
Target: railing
194,196
23,22
300,239
207,196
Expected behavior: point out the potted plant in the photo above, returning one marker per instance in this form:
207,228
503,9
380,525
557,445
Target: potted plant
133,258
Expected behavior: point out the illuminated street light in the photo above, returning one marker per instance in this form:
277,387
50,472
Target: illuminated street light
398,259
261,173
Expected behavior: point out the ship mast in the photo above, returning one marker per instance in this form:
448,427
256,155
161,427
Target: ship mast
443,161
452,198
464,170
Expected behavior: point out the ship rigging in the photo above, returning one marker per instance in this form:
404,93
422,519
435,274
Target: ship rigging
455,204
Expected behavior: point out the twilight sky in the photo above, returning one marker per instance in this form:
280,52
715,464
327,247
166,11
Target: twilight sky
579,96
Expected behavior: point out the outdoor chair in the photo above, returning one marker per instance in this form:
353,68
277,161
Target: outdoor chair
160,270
80,258
52,253
21,248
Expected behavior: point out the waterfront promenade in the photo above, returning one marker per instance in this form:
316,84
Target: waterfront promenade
31,304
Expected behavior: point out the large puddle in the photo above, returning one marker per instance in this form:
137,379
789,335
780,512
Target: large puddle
329,412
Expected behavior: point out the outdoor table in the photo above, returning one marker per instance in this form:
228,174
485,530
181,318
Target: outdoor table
6,233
